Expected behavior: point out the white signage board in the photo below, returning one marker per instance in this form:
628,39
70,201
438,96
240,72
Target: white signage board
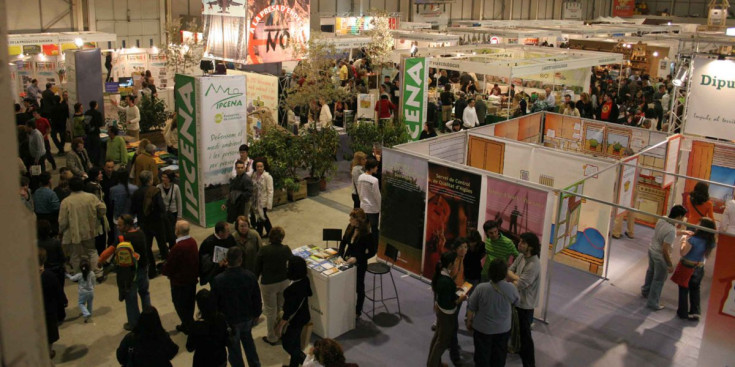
712,89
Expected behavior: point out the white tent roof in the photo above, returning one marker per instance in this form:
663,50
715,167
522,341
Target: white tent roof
517,23
508,32
606,30
514,60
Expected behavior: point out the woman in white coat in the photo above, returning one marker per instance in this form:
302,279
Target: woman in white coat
263,201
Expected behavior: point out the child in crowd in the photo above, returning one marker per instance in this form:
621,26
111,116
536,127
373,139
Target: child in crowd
86,281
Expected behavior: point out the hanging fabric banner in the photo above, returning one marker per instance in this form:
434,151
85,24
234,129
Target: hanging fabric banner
414,99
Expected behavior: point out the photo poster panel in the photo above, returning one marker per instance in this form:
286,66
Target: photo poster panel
403,208
274,29
568,214
228,8
157,66
187,109
262,106
594,138
616,141
711,88
717,337
453,208
563,132
628,184
672,159
223,114
47,72
366,106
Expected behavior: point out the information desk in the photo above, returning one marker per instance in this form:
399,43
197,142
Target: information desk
332,304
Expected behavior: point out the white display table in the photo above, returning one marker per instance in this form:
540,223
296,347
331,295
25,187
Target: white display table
332,305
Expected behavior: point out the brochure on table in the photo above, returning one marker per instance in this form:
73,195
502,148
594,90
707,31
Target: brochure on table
324,261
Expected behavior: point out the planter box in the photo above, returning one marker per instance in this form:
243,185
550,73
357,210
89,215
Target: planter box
298,194
280,197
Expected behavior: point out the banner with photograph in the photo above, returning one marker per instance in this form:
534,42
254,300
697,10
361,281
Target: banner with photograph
366,106
414,99
262,107
623,8
712,85
188,123
517,208
223,116
225,7
272,30
403,208
453,208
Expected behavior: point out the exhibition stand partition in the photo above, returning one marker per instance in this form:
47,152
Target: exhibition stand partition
510,36
429,202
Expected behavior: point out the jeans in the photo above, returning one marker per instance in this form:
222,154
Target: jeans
291,342
689,297
360,289
445,328
525,318
242,333
140,287
655,279
490,349
182,297
272,303
85,303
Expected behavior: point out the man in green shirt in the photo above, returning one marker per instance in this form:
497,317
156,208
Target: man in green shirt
497,246
116,149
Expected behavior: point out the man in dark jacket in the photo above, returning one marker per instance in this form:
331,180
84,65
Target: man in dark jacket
238,298
181,268
208,268
93,142
241,193
147,205
459,106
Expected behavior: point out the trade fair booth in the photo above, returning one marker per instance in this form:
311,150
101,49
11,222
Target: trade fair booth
508,36
405,39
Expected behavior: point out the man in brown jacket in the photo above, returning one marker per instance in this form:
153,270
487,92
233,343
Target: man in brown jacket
146,162
79,216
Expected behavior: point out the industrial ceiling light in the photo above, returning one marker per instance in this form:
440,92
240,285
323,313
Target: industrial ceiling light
681,75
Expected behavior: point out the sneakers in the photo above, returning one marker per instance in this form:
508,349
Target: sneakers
694,316
87,319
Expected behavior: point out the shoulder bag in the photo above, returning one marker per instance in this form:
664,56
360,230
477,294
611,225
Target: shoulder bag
514,342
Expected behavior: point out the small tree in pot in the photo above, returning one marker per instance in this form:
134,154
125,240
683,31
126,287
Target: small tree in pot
320,151
284,153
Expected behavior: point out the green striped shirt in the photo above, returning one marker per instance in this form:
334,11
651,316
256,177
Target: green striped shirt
501,248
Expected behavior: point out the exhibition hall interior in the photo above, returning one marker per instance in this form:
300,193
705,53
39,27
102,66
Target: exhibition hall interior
333,183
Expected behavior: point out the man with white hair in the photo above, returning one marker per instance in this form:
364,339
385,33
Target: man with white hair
550,100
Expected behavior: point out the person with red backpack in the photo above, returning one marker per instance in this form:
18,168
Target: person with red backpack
132,268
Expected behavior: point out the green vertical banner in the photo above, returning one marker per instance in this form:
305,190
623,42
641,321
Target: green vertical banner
186,109
413,99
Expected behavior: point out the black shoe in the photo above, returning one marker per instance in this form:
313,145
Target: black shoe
265,339
182,329
128,327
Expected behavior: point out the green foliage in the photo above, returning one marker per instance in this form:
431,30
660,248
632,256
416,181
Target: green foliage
152,113
363,135
284,152
320,150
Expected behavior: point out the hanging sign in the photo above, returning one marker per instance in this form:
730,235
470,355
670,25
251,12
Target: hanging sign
623,8
414,101
712,86
273,29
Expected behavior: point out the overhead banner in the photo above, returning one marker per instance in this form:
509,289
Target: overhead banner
414,99
623,8
453,208
186,109
262,107
402,221
712,86
225,7
272,30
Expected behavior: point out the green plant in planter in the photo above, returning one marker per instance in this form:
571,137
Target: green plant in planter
364,135
284,153
152,113
617,147
593,143
320,149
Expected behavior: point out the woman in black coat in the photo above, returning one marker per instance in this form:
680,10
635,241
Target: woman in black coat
295,310
148,344
356,247
208,337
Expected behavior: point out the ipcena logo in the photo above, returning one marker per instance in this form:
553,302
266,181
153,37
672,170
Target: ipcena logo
231,99
187,147
277,37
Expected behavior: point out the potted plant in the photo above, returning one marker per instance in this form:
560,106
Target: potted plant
320,151
593,144
283,152
617,147
364,135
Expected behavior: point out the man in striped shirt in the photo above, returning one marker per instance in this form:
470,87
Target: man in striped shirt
496,246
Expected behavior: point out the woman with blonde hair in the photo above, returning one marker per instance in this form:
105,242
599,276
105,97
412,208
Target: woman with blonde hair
358,167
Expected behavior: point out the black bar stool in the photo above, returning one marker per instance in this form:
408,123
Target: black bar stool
378,269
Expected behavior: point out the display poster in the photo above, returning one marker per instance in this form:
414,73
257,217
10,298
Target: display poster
157,66
136,63
262,107
403,208
225,7
223,128
594,137
712,86
452,209
617,141
572,10
414,99
672,158
623,8
366,106
46,72
517,208
568,214
272,30
719,322
25,73
628,181
186,109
